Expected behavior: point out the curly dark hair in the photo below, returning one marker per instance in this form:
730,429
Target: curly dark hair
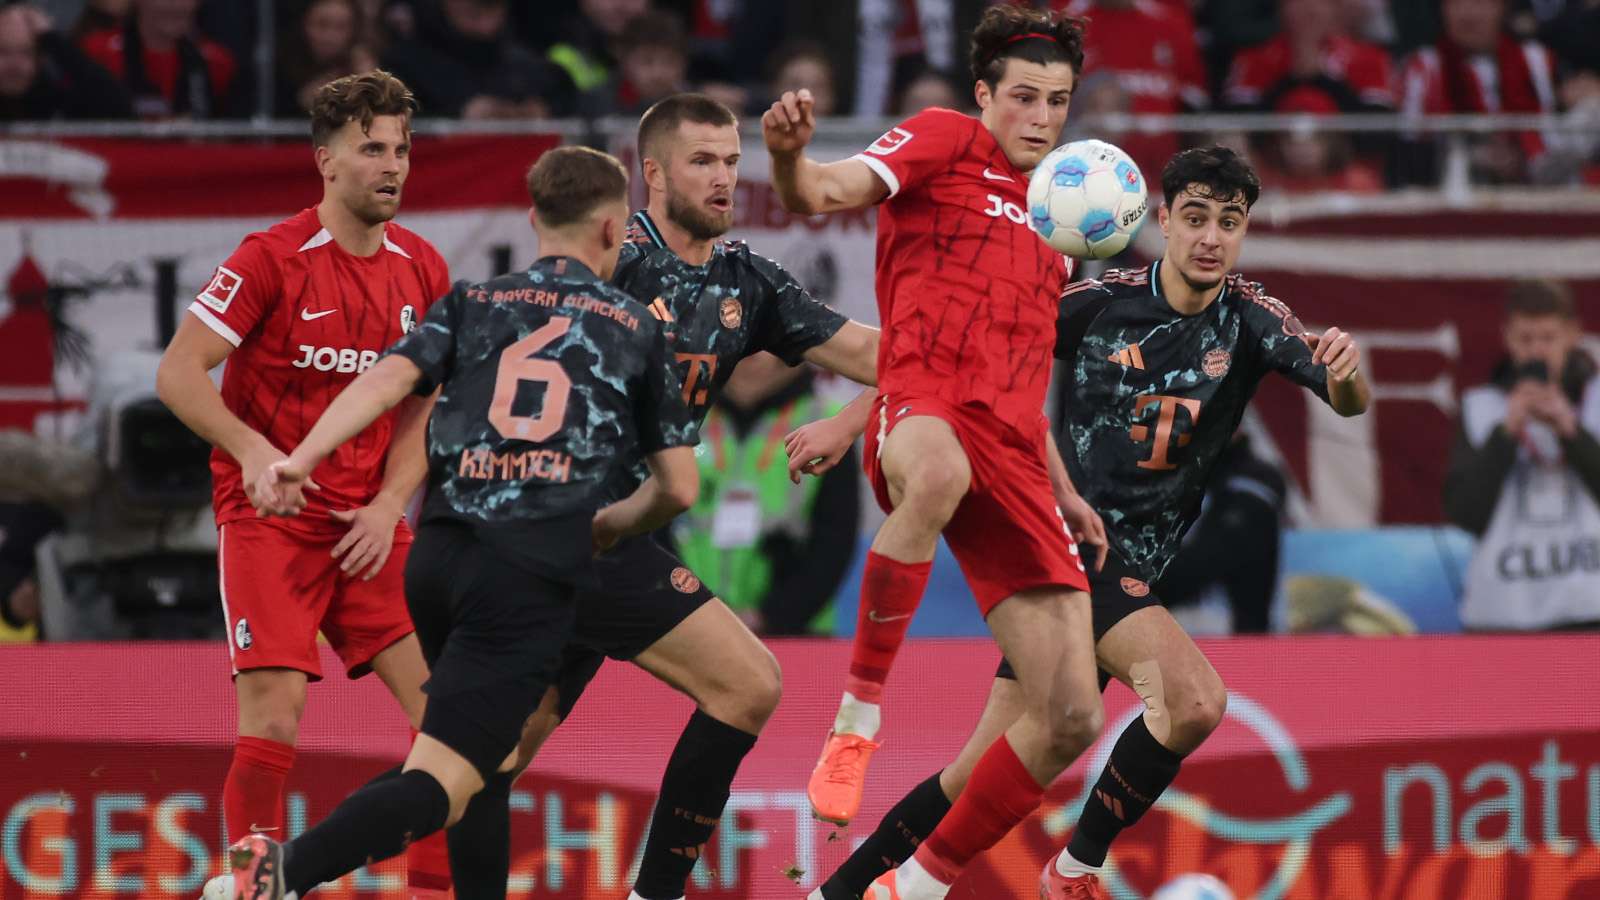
1215,172
1015,32
359,98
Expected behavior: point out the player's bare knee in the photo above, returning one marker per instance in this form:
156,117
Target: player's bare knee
934,487
1074,728
1196,714
759,694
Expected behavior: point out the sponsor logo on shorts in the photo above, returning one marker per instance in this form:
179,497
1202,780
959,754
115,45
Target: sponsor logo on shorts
902,411
685,581
1133,587
1216,362
241,635
408,318
731,312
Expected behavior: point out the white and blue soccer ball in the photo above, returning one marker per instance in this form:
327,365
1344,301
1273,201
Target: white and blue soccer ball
1193,887
1087,199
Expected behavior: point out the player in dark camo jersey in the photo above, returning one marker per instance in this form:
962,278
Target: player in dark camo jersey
548,380
1160,363
719,303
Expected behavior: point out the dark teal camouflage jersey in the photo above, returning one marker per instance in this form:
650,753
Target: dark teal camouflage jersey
1155,396
552,378
737,304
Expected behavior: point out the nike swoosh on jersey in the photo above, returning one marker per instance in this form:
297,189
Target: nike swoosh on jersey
307,315
996,176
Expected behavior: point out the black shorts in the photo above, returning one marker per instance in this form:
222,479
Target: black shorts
492,625
642,592
1115,593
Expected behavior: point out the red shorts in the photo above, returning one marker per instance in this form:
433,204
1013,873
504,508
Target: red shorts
281,586
1007,533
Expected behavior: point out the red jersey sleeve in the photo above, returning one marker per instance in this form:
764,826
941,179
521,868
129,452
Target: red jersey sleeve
923,145
241,291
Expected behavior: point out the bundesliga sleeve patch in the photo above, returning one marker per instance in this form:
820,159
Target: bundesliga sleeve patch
892,140
220,292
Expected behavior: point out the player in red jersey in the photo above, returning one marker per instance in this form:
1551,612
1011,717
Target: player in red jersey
298,311
967,295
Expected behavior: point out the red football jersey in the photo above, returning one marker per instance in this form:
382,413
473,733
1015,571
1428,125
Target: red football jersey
1152,50
305,318
967,292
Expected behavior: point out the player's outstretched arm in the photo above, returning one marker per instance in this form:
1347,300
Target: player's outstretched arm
816,447
1348,391
183,382
365,548
673,486
804,185
851,352
373,393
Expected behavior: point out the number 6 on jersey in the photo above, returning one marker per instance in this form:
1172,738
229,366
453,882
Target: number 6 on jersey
517,365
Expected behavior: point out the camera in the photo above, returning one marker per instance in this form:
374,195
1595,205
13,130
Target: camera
1532,370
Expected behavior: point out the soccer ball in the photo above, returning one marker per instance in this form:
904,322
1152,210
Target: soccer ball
1193,887
1087,199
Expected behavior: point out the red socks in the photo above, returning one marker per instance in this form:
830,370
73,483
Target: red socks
252,794
890,594
1000,794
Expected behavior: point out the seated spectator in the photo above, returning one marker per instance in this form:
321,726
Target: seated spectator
1477,67
654,63
1311,49
169,68
589,46
1150,49
101,15
327,41
22,527
1232,548
775,552
1524,474
1307,158
43,76
460,62
804,65
931,88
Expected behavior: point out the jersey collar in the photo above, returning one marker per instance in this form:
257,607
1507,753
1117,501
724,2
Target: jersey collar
647,227
565,267
1155,286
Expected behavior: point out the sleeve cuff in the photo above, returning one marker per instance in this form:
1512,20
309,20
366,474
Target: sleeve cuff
882,170
214,323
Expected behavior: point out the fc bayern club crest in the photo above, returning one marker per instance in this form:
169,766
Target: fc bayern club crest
732,312
408,318
1216,361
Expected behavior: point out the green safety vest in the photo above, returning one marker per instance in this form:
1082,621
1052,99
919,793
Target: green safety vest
746,495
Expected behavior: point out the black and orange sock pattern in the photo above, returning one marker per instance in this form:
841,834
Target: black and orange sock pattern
896,838
1137,772
694,791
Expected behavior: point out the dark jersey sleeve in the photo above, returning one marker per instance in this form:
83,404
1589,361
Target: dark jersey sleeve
432,344
1081,301
791,320
1281,341
659,413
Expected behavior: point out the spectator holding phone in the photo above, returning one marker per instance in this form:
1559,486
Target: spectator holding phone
1524,475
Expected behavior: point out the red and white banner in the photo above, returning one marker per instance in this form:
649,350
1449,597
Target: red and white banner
100,220
1346,769
1422,285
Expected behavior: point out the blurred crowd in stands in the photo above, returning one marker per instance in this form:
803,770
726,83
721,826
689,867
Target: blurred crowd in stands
534,59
